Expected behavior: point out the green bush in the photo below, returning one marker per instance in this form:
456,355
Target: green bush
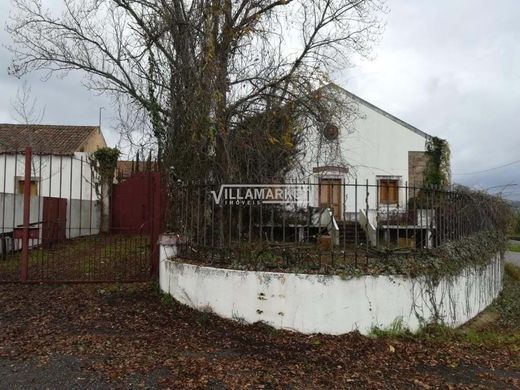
516,224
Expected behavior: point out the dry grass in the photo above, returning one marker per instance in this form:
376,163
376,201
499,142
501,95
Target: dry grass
100,257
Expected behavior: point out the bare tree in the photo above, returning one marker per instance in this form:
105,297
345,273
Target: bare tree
201,69
25,107
26,110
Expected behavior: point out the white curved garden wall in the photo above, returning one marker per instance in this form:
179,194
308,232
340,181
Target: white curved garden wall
329,304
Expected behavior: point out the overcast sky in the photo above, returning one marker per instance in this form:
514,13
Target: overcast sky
450,68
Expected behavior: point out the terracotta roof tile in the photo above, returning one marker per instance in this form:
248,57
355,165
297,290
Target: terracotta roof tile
124,168
55,139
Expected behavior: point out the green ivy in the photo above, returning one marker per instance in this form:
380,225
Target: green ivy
104,163
449,259
452,257
437,173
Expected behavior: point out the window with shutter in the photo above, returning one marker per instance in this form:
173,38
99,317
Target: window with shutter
388,191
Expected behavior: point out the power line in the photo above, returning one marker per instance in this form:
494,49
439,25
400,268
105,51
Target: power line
487,170
502,186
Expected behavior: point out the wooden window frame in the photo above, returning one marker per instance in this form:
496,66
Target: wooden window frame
385,183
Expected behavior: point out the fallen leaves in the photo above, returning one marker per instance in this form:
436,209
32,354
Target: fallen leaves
120,331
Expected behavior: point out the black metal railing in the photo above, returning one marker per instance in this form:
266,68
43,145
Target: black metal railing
316,224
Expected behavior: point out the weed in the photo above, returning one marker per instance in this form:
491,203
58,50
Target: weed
437,332
167,299
204,318
396,328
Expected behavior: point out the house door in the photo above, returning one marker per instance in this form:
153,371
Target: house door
54,219
330,196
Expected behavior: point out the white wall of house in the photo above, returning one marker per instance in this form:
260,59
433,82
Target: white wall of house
82,219
378,149
68,177
379,146
373,145
82,216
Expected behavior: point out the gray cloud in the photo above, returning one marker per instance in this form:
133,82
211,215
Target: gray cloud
65,100
453,70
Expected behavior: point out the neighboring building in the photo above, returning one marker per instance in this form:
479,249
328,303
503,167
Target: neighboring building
61,166
64,200
126,168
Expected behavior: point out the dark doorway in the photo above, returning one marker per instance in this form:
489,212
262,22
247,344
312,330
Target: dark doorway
54,220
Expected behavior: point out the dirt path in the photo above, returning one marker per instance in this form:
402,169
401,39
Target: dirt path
131,337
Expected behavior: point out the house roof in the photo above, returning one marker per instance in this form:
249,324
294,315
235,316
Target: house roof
124,168
56,139
381,111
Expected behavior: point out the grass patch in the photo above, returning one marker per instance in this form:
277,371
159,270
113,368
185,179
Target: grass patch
508,303
491,337
512,272
502,327
513,247
97,257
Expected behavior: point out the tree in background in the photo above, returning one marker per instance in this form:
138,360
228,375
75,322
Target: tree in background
26,110
25,107
199,72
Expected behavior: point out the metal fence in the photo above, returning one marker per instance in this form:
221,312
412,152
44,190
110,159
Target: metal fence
319,223
56,223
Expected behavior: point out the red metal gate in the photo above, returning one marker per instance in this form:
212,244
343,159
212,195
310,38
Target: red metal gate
58,226
136,208
131,206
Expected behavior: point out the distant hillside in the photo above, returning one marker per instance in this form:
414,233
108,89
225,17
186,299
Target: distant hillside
516,204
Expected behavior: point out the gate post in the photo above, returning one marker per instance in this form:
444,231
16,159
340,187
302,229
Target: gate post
24,265
155,226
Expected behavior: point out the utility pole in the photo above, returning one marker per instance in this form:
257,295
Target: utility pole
100,109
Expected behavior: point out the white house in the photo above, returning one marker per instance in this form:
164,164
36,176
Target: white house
363,163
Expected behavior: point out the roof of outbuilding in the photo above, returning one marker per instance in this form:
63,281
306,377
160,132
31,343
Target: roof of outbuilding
125,168
56,139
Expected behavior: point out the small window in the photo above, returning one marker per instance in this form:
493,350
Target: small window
388,191
34,187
